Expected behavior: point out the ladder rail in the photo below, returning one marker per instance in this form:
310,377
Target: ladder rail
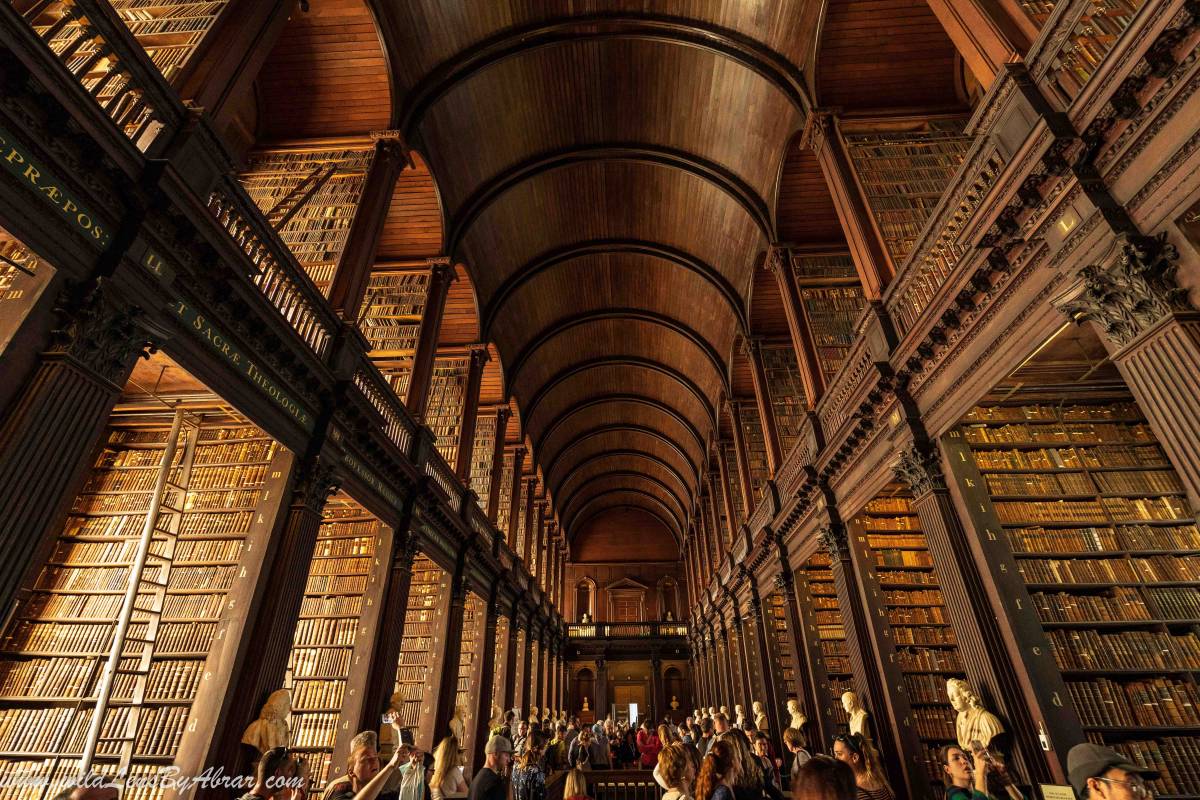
104,692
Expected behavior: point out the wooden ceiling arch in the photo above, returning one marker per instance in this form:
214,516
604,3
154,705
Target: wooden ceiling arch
628,496
585,521
617,485
585,446
616,397
632,478
648,466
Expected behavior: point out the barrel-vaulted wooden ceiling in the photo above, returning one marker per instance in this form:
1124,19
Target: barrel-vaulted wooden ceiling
609,175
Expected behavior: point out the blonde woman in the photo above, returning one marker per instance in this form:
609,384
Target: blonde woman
448,779
746,777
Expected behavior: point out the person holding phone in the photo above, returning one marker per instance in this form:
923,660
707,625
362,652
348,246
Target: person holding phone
365,778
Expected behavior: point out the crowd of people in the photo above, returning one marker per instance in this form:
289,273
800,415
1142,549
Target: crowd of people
699,759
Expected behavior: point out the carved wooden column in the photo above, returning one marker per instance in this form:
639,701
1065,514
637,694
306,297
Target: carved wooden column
742,453
54,423
601,688
1153,336
514,501
983,35
779,261
278,610
441,274
658,699
470,413
981,641
447,694
872,691
493,498
479,731
766,411
867,249
353,272
226,63
731,517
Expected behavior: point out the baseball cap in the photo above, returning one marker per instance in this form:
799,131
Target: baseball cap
1092,760
498,744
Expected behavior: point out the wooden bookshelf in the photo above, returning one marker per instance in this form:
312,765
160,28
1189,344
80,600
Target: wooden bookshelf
444,414
735,489
426,598
310,196
827,638
55,644
783,666
788,401
1096,521
831,313
756,451
169,32
926,649
482,453
468,666
498,677
904,175
392,311
319,666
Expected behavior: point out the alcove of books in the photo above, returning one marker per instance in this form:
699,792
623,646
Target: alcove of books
1072,496
140,590
420,649
918,639
825,634
342,596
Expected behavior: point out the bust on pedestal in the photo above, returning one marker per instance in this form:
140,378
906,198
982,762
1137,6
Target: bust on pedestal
858,714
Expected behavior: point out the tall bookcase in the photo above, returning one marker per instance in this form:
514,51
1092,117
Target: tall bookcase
311,197
788,401
169,32
320,662
392,311
783,668
735,489
756,450
823,268
904,174
926,649
468,665
426,597
444,414
53,648
482,452
831,313
503,507
498,676
1081,499
826,636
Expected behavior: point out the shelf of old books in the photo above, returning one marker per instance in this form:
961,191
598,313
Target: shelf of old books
904,174
1098,524
787,392
498,676
504,505
783,666
831,313
823,619
468,665
392,311
310,197
735,493
482,452
322,650
756,452
925,645
169,32
445,410
186,481
426,597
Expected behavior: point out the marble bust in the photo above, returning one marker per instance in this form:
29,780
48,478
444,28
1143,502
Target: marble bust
974,722
858,714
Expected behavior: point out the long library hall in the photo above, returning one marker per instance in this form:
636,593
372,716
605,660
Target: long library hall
689,400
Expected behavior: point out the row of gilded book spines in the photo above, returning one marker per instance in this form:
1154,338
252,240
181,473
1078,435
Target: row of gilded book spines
884,541
314,729
902,558
912,578
318,694
1126,537
935,723
1132,650
139,502
125,551
307,662
39,730
905,523
910,635
916,615
1175,758
335,584
326,632
217,579
94,637
1097,457
1160,702
1149,481
1043,412
918,659
1118,509
1083,433
235,524
143,479
124,435
351,566
927,689
72,607
1149,569
77,677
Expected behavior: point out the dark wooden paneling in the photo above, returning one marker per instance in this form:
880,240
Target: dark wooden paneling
884,54
805,213
621,536
413,228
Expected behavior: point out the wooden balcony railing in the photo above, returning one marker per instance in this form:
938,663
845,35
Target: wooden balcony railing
625,630
276,272
398,426
98,50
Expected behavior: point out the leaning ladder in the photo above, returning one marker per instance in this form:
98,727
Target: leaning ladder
145,596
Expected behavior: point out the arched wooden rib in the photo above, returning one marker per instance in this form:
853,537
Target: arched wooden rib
617,397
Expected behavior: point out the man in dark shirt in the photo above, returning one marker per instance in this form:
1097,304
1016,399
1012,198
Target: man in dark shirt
489,782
